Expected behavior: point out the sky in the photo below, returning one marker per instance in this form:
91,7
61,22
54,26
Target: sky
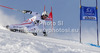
67,11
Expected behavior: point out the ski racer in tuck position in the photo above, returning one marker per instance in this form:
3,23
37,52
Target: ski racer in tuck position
30,25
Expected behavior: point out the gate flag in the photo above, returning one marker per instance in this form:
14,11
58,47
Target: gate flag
88,13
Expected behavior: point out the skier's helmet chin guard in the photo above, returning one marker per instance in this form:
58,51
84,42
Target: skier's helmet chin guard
45,13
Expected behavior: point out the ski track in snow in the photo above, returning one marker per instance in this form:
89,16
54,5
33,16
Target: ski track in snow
11,42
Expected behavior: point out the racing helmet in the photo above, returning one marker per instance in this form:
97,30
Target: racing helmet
45,13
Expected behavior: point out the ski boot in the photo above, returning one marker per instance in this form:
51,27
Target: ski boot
7,26
44,33
35,34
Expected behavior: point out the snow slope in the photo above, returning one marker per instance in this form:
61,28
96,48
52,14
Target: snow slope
11,42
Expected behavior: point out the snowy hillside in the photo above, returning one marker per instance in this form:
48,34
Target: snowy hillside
11,42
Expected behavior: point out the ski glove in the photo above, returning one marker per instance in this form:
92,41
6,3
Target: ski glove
27,11
37,21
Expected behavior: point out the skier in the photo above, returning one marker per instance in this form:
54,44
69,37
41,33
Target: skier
38,19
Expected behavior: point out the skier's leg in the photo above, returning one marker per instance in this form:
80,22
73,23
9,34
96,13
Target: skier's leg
35,31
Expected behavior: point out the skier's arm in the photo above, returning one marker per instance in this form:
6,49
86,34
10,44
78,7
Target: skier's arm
30,12
44,27
27,11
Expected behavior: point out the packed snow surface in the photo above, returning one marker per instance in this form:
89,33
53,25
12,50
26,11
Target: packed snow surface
14,42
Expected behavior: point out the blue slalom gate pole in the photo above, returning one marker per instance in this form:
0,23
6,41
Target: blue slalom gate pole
80,23
97,23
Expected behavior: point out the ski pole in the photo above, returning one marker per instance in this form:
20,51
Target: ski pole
10,8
